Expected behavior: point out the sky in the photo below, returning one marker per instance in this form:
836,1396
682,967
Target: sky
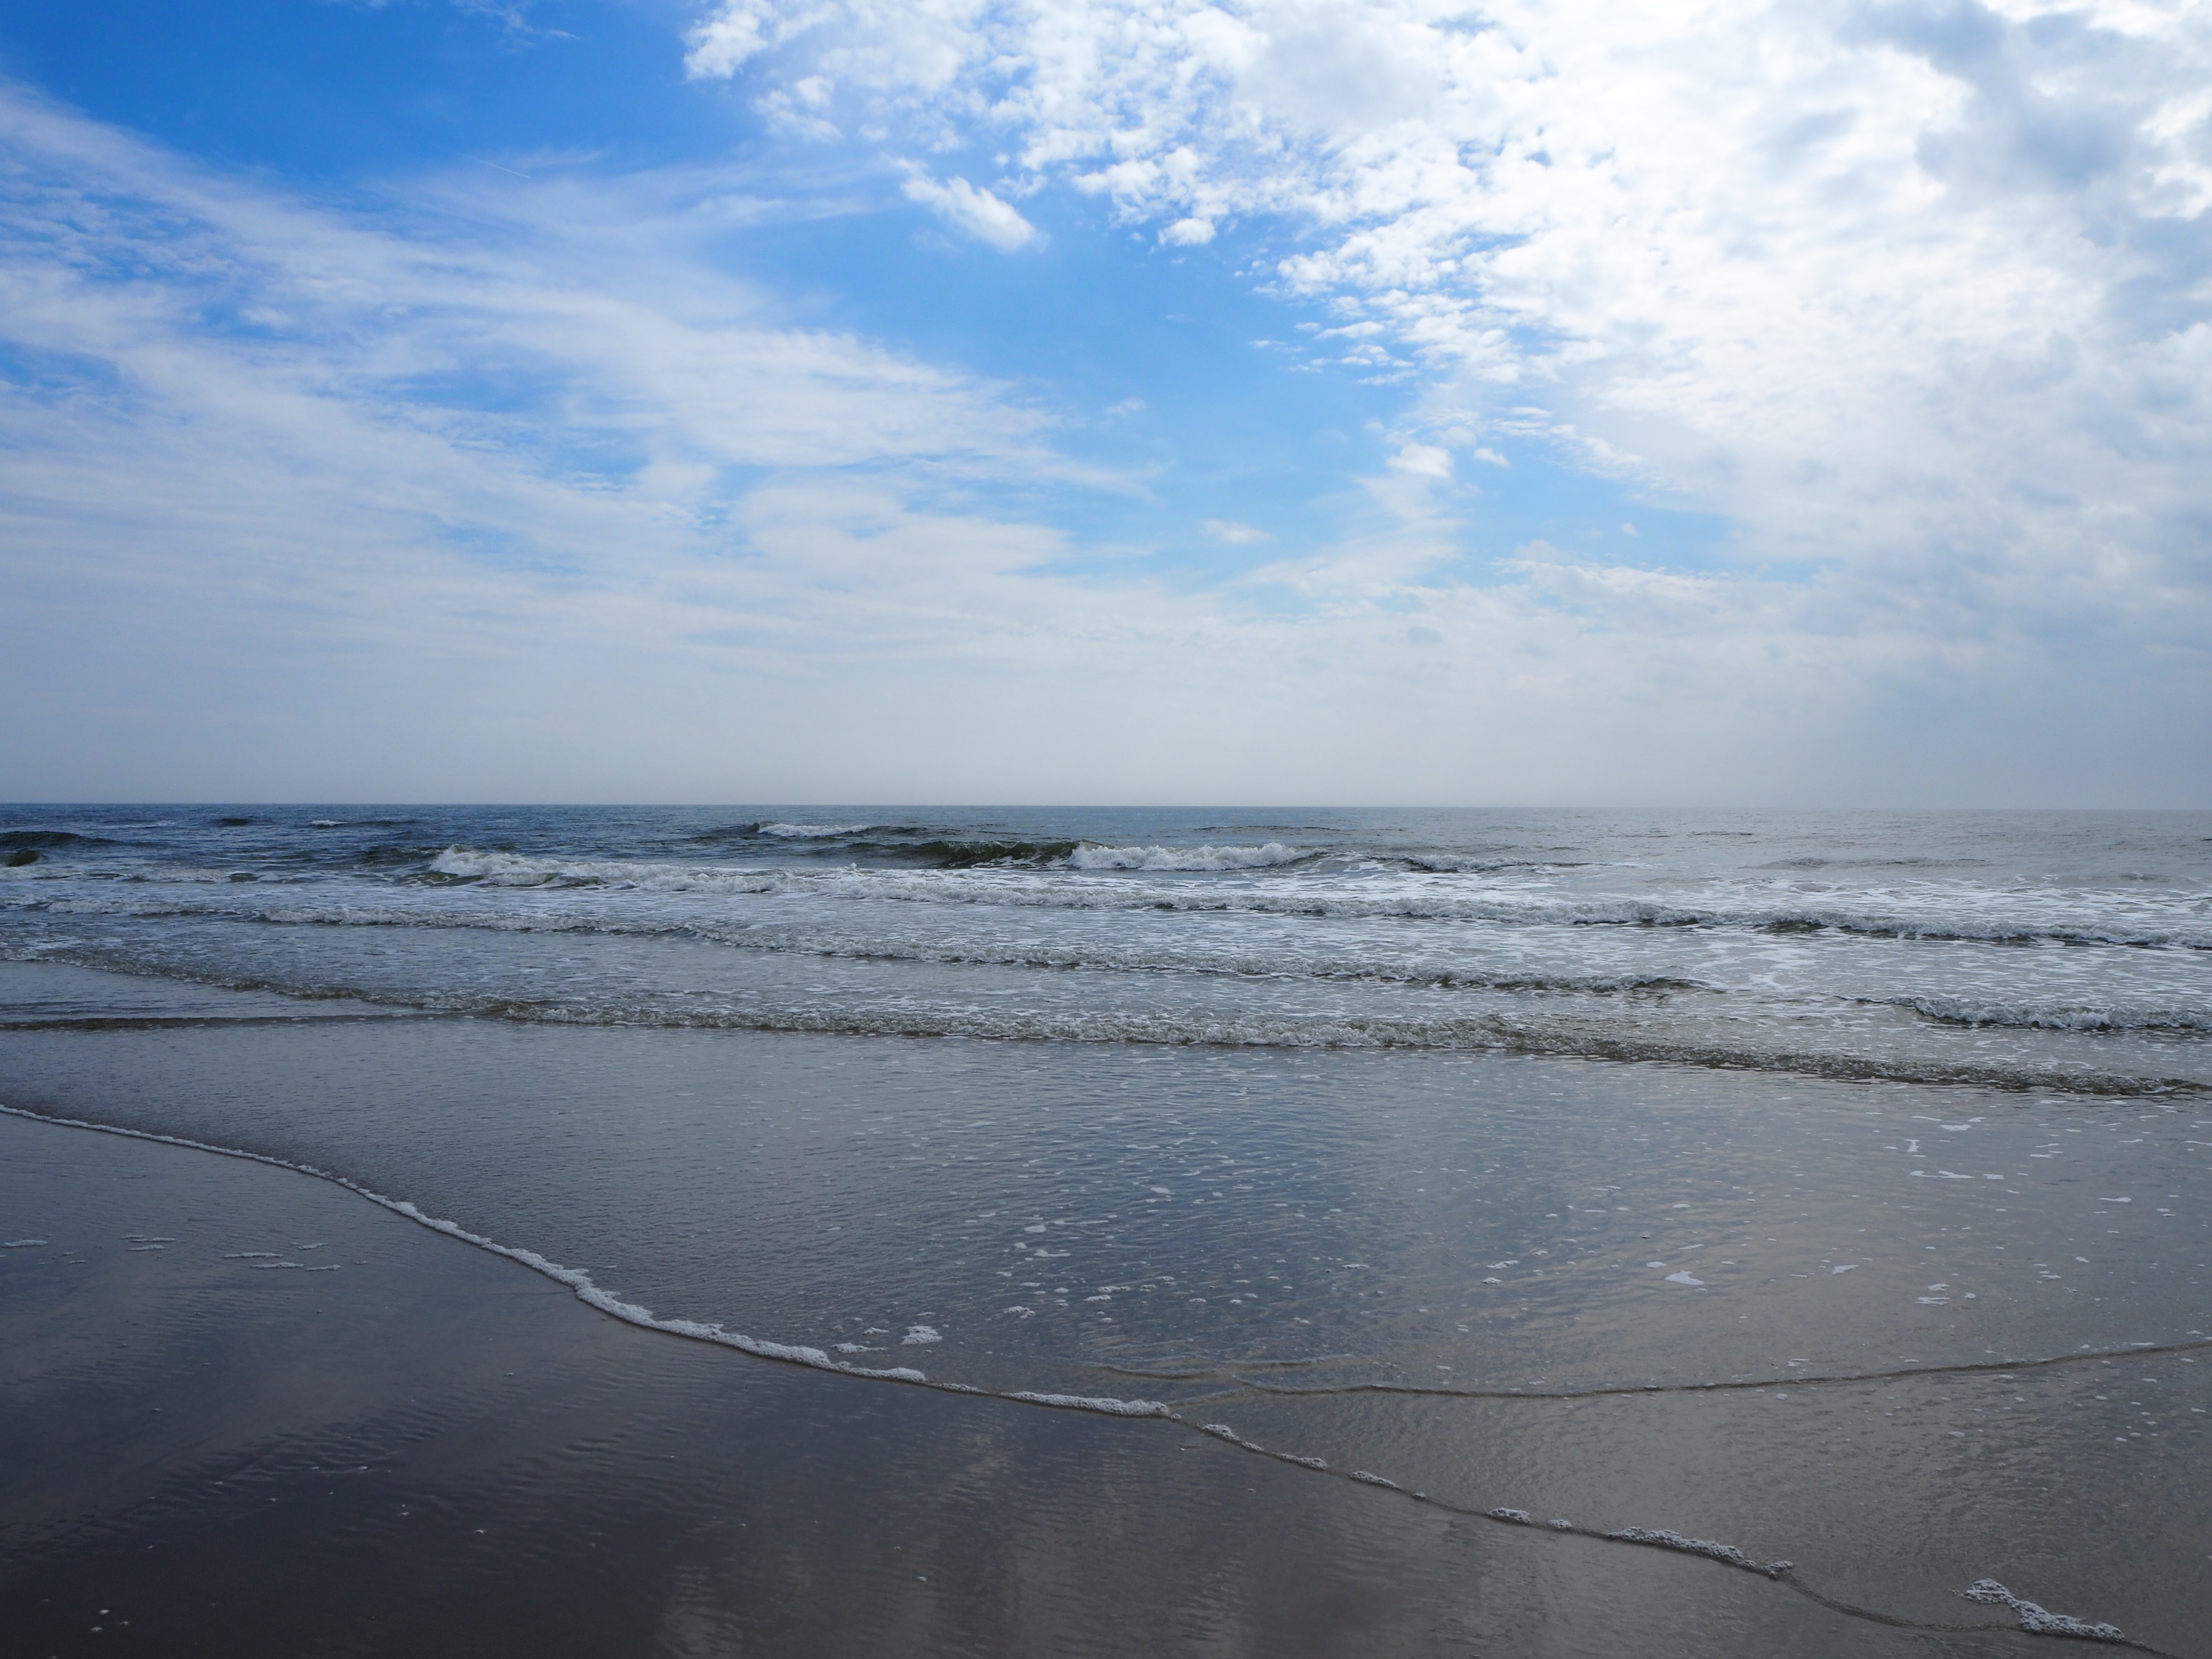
1394,402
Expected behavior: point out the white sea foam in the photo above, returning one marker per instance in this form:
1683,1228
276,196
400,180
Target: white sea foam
20,1243
1666,1539
2037,1620
1193,858
812,831
1110,1407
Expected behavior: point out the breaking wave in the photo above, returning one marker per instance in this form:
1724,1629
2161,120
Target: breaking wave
1065,875
1207,858
1952,1011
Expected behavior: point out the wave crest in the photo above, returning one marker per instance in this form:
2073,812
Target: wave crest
1091,856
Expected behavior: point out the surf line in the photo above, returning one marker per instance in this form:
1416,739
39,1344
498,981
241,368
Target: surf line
1610,1390
2033,1619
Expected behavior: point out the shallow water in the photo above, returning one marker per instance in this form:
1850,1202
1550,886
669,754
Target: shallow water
1365,1137
422,1452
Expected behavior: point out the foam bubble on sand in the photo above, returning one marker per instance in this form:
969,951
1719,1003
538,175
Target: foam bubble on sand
920,1336
1666,1539
1518,1518
2035,1619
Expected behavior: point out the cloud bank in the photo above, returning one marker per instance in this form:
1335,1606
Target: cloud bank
1876,281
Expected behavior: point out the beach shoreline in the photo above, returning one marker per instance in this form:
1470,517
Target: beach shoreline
406,1444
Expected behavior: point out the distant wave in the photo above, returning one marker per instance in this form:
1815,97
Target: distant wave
1463,864
1021,875
780,830
48,840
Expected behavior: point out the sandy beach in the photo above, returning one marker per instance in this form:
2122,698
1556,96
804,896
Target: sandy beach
423,1449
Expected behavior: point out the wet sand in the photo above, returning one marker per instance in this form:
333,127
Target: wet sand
423,1449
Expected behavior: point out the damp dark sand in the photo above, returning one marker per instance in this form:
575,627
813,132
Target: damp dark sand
425,1450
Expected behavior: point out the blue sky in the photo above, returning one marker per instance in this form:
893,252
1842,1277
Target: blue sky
1362,400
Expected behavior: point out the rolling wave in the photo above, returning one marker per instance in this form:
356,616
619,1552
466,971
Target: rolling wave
989,873
1092,955
906,1015
1948,1011
1208,858
48,840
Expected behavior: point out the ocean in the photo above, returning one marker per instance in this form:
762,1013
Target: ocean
1758,1186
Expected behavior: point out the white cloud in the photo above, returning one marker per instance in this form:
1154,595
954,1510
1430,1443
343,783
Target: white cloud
1422,461
1228,530
1922,293
740,31
978,212
1189,233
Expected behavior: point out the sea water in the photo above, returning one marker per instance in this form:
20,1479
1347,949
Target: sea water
1789,1183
